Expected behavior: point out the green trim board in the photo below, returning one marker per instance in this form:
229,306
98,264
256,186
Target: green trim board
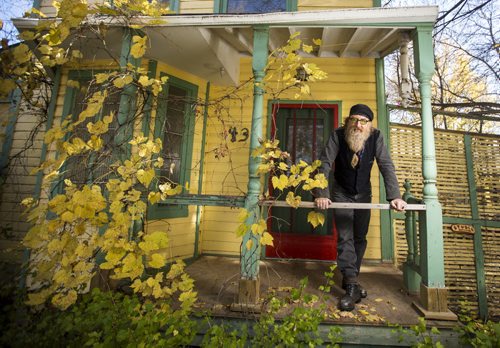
361,335
478,239
37,4
50,120
386,229
164,210
458,221
220,6
152,66
174,5
202,166
14,100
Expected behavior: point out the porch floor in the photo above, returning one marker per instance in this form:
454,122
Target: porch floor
216,281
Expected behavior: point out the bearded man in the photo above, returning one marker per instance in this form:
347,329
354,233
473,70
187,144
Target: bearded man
350,151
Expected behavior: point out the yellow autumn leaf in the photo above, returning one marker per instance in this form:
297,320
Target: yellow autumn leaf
6,86
145,176
67,216
21,53
315,218
122,81
73,84
145,81
39,297
159,238
266,239
157,261
363,312
101,77
307,48
108,118
76,54
154,197
64,300
243,215
97,128
317,42
241,230
280,183
139,46
293,200
283,166
249,244
259,227
27,35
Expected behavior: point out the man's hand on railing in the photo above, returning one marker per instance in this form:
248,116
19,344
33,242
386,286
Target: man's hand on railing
322,203
398,204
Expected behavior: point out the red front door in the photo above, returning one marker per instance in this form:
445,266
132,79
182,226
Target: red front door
302,130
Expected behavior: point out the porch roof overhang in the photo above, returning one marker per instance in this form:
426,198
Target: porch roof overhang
210,45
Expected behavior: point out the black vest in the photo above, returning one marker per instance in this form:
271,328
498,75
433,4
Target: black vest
355,180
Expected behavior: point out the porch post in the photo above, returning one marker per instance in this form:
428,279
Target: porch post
127,97
249,282
433,293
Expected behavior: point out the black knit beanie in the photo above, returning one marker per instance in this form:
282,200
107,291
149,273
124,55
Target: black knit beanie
363,110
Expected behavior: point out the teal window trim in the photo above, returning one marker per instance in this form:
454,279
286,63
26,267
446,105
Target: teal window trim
164,210
220,6
37,4
14,100
174,5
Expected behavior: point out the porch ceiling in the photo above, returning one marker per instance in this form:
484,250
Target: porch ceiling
210,45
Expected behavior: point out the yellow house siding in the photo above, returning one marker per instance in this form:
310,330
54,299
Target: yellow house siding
19,184
350,81
314,5
219,231
196,6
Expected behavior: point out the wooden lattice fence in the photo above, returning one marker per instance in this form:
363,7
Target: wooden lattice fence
468,183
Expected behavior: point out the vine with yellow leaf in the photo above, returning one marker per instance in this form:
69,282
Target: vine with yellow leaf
80,229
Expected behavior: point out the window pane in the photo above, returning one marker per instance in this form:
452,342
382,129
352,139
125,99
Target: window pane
177,105
253,6
300,136
82,168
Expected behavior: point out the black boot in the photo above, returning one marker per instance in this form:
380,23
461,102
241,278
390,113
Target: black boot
351,297
362,290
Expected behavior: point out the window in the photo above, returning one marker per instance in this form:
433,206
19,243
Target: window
254,6
84,168
174,125
173,5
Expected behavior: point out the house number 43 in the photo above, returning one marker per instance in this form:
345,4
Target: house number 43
234,132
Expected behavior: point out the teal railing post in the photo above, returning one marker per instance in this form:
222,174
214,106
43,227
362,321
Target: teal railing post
249,282
411,272
433,293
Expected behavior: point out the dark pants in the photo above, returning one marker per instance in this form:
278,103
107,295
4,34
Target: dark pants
352,227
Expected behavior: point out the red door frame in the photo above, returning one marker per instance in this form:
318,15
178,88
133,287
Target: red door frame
302,246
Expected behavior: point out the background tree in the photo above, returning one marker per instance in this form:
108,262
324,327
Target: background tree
466,86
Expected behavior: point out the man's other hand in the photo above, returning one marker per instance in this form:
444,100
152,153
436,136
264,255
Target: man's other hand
398,204
322,203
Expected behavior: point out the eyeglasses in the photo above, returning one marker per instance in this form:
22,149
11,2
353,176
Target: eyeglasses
355,120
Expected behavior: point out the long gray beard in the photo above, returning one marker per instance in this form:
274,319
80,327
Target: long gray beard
356,142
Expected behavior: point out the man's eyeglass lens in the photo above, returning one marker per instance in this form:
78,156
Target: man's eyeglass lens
356,120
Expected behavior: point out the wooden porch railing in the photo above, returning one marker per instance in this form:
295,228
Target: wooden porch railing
411,267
